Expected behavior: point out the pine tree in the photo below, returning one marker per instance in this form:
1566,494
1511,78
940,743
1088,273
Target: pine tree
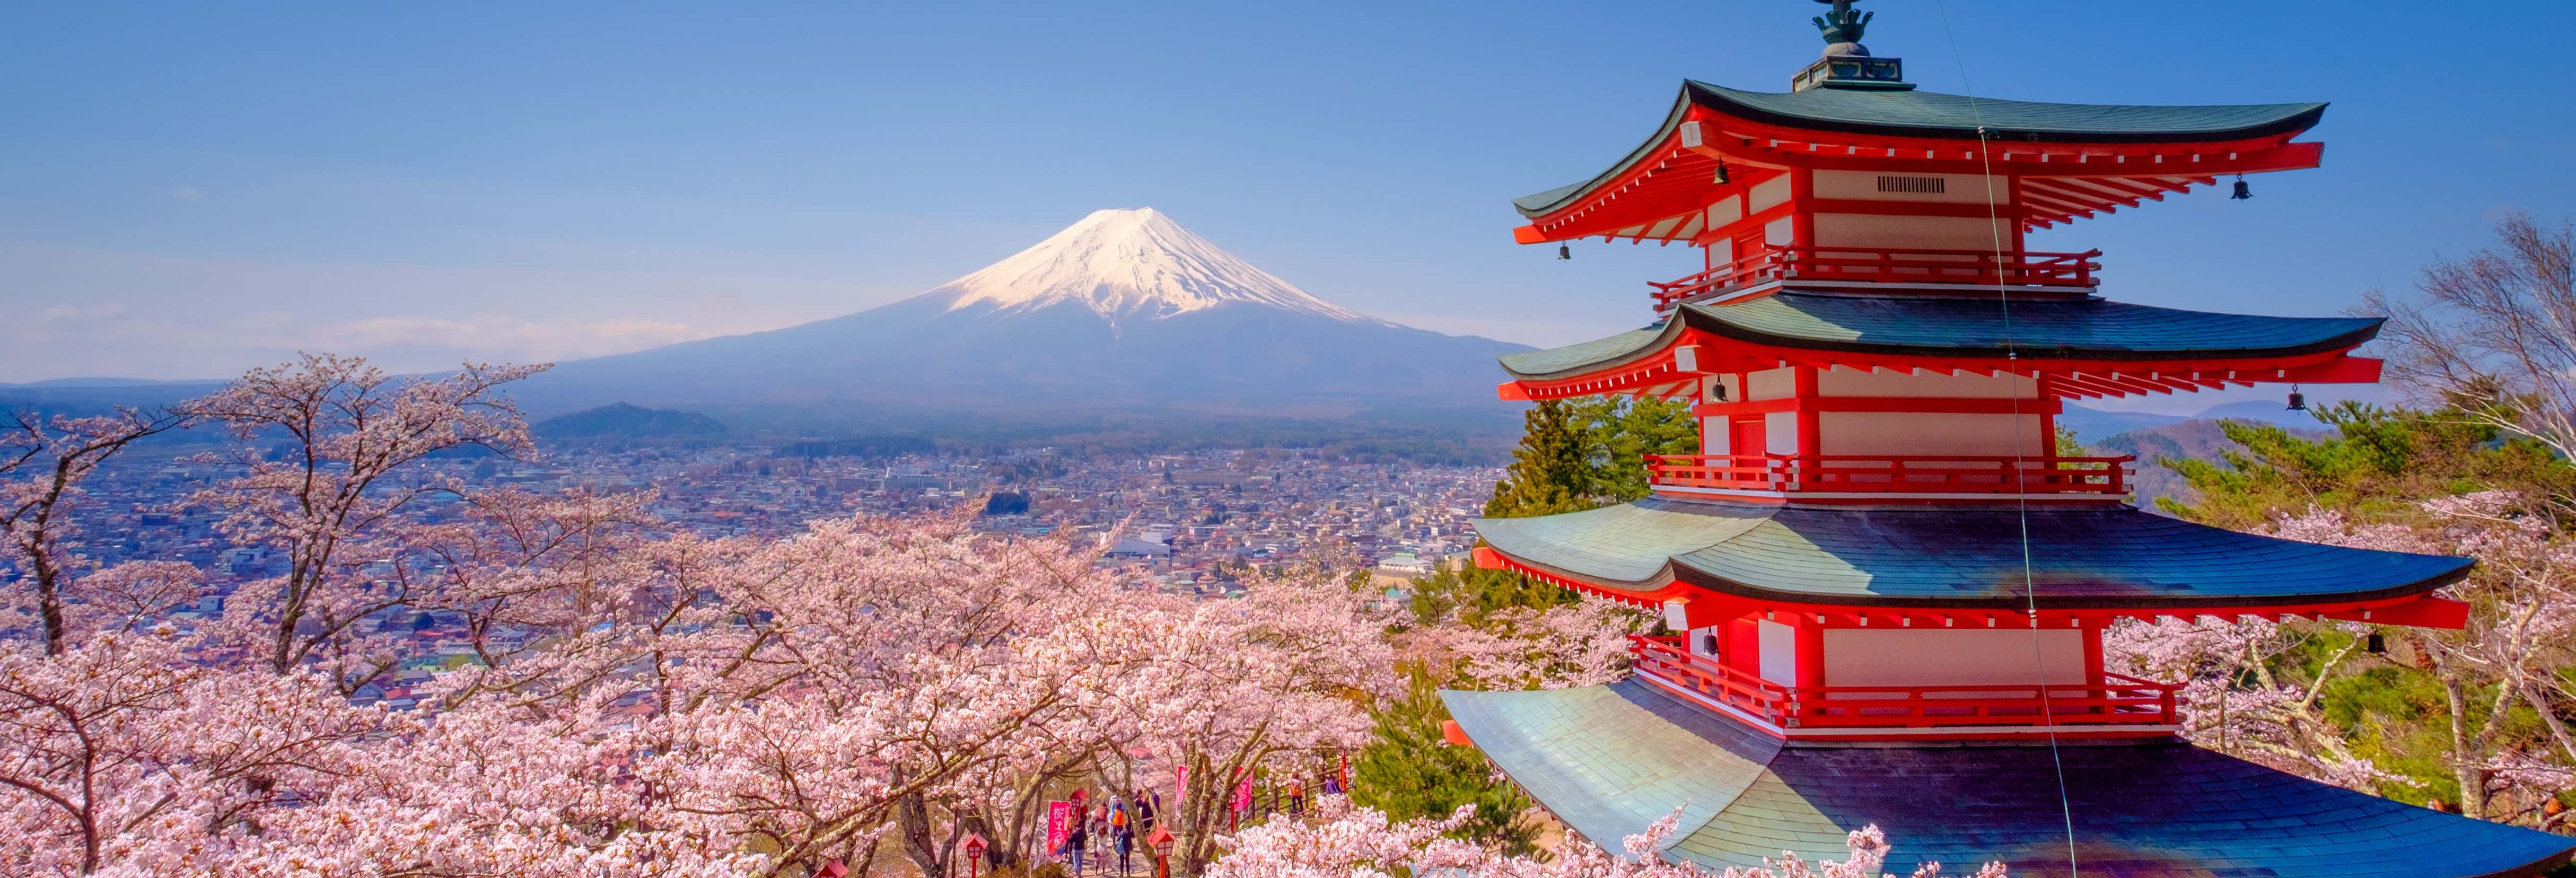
1407,772
1551,471
1621,431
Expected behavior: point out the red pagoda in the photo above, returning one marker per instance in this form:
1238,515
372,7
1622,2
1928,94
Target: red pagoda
1892,589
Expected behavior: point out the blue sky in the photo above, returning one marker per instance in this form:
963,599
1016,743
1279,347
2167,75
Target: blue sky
190,189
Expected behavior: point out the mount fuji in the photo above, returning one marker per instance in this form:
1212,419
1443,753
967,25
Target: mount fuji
1122,312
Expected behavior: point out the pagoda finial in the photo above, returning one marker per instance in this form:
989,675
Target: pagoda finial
1846,63
1843,25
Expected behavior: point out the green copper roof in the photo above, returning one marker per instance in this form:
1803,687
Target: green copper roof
1933,114
2114,557
1609,760
1965,326
1590,354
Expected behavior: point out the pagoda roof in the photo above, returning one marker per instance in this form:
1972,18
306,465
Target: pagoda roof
1924,114
1609,760
1972,558
2084,328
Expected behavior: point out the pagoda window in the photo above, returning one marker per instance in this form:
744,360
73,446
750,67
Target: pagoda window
1932,188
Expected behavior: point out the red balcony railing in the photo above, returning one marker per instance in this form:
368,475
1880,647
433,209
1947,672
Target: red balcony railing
1887,265
2114,700
1922,474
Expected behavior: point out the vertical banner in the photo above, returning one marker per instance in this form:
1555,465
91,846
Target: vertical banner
1243,794
1181,788
1059,825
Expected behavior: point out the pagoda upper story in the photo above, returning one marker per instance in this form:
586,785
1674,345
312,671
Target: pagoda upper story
1868,324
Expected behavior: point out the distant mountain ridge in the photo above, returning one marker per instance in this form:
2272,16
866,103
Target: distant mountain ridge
629,421
1120,313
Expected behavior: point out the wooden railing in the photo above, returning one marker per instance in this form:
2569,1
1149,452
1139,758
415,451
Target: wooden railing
1887,265
1921,474
2114,700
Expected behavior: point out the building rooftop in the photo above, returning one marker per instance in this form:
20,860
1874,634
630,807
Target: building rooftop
2085,328
1914,113
1608,760
1972,558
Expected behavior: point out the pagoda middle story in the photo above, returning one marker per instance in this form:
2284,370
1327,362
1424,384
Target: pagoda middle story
1887,589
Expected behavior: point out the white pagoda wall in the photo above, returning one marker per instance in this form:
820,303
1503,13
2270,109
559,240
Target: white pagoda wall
1950,656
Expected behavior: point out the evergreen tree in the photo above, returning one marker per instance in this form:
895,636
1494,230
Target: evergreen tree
1620,431
2380,462
1408,772
1551,471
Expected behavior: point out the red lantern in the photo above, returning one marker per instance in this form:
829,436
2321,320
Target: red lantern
1160,842
974,853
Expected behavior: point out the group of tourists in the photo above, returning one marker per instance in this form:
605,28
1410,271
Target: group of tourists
1115,823
1106,831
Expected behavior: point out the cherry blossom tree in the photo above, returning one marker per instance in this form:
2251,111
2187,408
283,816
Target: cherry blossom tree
331,500
2521,628
42,464
1579,644
1284,673
121,757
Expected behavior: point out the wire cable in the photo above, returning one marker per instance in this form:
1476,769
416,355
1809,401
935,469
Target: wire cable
2003,299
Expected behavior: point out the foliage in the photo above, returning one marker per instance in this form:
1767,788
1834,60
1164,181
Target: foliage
1552,470
2378,463
1581,453
1408,771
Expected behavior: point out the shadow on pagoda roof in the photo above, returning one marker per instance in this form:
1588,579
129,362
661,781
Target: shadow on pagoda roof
1608,760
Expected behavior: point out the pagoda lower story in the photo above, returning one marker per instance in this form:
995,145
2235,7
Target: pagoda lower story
1609,760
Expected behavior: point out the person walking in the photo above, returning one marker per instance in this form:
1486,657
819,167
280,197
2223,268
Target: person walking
1126,836
1074,841
1296,797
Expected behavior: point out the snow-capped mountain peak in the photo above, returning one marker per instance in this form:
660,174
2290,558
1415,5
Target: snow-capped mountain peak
1129,264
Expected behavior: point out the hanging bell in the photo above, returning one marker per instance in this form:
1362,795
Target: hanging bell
1721,173
2242,191
1564,251
2298,401
2378,644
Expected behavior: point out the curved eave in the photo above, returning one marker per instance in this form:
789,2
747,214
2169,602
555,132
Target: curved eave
2304,337
1542,203
1715,320
1950,559
2021,121
2239,139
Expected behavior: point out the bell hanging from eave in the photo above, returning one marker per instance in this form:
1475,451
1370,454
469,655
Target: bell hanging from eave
2298,401
1721,173
1564,251
2378,644
2242,191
